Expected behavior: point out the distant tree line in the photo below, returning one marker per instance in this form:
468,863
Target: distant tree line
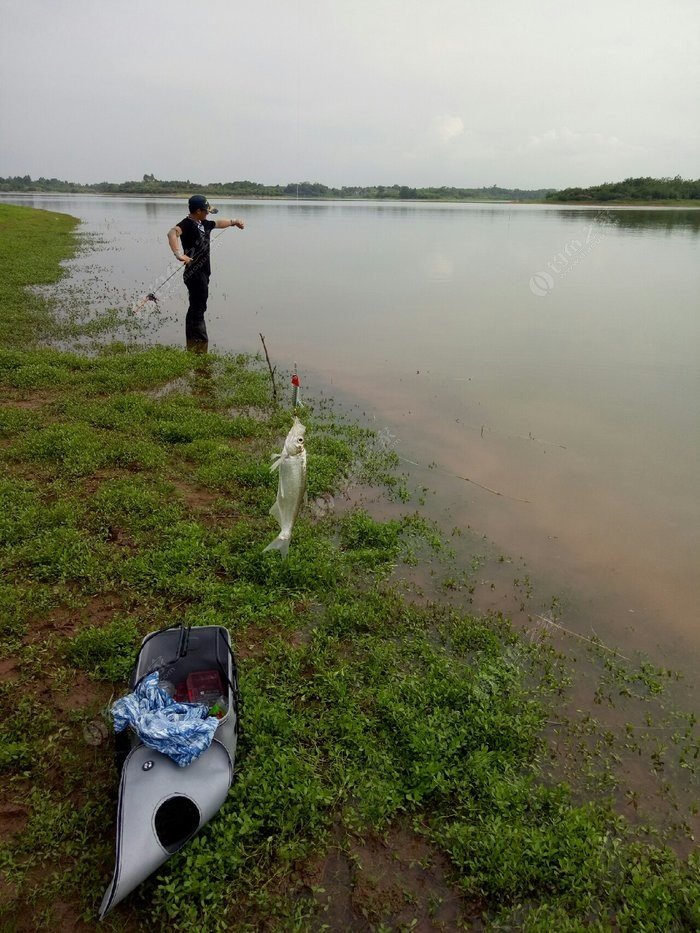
634,189
631,189
251,189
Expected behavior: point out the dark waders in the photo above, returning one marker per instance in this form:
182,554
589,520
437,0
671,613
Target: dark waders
197,283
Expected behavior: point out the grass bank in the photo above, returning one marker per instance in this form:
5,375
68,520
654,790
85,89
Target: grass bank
32,246
397,768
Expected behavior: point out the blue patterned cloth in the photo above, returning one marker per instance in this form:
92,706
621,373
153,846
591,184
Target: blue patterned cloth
182,731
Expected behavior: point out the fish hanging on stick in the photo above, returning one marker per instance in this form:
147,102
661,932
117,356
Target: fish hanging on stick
291,487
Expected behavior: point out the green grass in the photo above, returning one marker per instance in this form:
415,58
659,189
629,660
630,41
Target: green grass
32,244
107,651
365,712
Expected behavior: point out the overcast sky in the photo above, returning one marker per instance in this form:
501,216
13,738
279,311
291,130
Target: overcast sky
516,93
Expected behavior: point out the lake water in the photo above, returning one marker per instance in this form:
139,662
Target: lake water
550,355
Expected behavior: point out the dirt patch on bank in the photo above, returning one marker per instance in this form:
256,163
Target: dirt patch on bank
9,669
396,880
29,402
65,622
13,818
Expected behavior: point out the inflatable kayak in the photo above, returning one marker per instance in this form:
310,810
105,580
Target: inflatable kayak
161,805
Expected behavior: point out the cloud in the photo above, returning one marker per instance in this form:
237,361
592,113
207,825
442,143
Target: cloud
446,127
564,141
543,116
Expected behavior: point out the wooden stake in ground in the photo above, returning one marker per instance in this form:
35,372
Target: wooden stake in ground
272,370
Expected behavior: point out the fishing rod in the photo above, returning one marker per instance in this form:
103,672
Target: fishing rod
151,296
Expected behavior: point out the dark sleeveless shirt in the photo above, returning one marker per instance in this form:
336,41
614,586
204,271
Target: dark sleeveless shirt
196,246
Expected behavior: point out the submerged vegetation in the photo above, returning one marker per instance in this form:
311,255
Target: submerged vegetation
403,763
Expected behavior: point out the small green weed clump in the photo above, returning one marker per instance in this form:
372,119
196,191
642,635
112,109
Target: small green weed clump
107,652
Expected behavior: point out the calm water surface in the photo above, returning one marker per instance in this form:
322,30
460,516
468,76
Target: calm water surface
548,354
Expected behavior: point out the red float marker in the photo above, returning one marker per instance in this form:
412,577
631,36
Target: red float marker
296,385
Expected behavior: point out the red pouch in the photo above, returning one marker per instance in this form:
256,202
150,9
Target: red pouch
204,687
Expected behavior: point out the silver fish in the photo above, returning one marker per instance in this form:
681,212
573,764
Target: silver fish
291,489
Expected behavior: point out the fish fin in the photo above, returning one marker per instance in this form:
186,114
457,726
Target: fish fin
276,464
279,544
275,511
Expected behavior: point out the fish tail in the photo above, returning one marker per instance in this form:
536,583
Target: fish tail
279,544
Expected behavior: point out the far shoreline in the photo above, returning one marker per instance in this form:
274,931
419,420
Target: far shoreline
637,204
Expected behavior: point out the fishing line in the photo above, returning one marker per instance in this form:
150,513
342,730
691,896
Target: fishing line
494,492
151,296
296,382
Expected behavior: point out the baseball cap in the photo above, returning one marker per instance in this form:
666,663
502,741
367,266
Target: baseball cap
198,202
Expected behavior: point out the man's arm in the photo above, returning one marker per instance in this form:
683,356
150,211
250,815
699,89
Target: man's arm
174,235
221,224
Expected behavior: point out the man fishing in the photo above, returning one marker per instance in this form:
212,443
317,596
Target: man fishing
189,241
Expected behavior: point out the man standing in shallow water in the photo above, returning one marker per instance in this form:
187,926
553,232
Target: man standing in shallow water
189,241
